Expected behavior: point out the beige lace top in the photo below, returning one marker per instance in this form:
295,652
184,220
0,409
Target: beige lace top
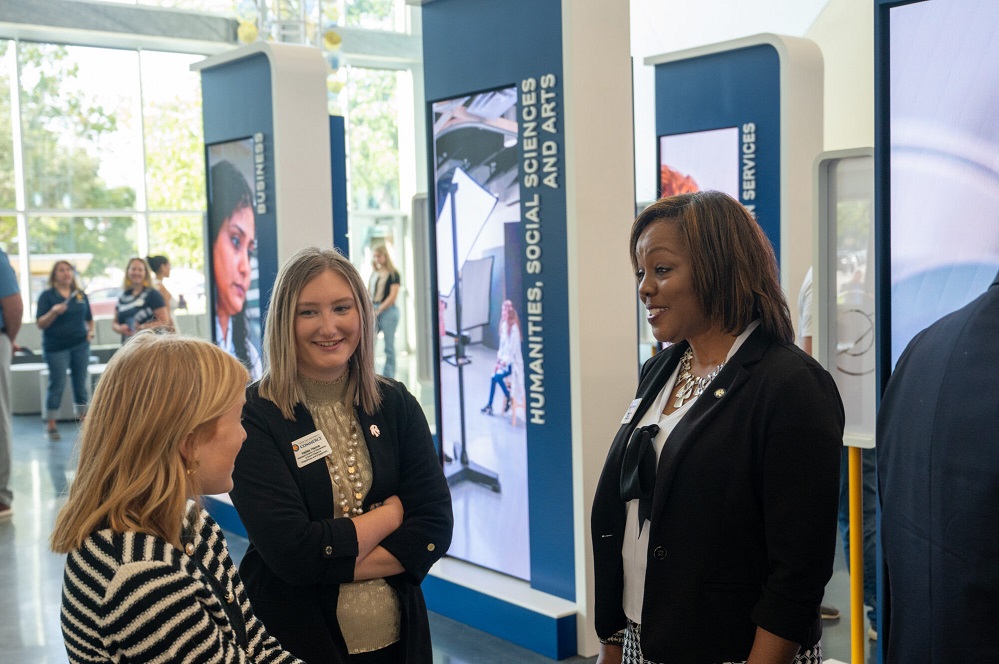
368,611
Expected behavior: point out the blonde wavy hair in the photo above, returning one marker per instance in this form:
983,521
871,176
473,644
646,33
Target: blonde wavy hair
147,280
382,250
280,379
157,391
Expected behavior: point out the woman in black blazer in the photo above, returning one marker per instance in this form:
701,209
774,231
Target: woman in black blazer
714,520
338,484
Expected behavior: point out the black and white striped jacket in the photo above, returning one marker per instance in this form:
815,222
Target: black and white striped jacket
132,597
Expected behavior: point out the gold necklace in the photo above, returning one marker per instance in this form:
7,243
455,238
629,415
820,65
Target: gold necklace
690,386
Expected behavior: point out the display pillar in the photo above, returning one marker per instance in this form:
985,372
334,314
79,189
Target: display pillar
530,113
603,303
767,90
264,108
276,93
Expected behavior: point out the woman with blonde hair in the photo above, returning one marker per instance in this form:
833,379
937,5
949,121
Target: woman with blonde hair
339,485
384,289
67,325
509,361
148,576
140,306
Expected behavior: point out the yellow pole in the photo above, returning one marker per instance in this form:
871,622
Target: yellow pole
856,559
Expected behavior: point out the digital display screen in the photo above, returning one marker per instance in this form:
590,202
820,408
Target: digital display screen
700,161
479,260
944,160
232,252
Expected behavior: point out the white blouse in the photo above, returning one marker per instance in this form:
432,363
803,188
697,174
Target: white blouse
635,548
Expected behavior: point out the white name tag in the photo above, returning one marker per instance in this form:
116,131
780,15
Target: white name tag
310,448
631,411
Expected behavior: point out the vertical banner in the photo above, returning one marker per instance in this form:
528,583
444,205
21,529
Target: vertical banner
493,75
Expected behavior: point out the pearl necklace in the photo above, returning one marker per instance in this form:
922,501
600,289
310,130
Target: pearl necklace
354,478
690,386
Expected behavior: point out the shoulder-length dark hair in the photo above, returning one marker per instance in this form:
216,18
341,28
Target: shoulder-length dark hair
733,266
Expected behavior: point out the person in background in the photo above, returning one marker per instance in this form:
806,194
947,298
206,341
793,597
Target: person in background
11,310
339,485
938,481
160,266
508,357
384,289
714,520
806,304
233,231
63,314
140,306
148,576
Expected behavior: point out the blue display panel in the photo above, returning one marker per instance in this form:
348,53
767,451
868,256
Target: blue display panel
498,66
936,161
718,127
718,123
238,116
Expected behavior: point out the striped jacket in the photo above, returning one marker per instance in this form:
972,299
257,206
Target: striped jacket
132,597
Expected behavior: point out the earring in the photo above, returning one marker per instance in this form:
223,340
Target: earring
193,470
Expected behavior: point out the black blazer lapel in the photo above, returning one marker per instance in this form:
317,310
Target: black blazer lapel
382,449
317,487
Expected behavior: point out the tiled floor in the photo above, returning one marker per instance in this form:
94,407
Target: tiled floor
31,576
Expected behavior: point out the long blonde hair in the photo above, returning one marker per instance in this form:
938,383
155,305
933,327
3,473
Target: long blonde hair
157,391
388,265
280,380
147,281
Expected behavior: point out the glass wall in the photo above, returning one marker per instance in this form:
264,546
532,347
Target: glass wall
102,154
107,154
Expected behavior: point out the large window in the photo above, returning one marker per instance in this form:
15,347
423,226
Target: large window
107,150
373,138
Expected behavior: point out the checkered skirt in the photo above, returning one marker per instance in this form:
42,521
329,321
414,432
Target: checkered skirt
632,650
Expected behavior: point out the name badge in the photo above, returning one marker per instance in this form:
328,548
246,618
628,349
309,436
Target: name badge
631,411
310,448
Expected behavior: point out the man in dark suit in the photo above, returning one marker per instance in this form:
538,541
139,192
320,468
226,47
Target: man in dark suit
938,475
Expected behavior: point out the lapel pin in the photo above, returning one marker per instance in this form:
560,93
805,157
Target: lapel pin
375,431
719,393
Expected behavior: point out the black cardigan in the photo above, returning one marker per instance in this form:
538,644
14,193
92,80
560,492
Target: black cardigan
299,554
743,526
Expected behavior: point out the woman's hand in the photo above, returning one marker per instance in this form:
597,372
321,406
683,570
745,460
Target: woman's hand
59,308
610,654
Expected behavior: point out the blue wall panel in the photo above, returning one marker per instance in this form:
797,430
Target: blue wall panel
730,89
475,45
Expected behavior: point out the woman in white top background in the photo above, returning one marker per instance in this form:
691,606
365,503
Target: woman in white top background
509,361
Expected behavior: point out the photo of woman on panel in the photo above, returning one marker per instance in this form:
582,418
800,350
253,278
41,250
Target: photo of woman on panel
338,484
714,519
233,237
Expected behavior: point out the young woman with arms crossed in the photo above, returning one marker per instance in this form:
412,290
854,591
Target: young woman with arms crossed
339,485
